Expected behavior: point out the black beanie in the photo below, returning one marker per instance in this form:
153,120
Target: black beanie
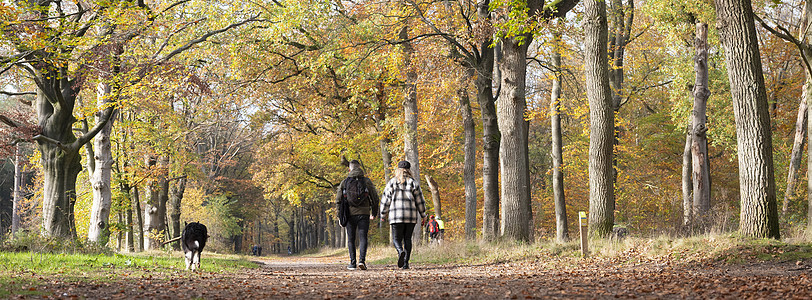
404,165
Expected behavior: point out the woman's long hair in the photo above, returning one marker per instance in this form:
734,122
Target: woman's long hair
401,174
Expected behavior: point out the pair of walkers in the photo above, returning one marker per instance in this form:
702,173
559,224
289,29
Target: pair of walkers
402,203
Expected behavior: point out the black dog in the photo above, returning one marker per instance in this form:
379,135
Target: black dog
192,240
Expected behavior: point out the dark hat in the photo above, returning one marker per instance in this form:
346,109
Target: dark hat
404,165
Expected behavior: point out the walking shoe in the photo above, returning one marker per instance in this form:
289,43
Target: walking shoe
351,267
405,266
362,266
401,259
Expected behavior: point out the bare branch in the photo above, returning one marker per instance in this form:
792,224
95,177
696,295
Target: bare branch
205,37
17,93
447,37
45,139
787,36
171,35
8,121
82,140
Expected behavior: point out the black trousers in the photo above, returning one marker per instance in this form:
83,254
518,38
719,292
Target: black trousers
357,224
402,238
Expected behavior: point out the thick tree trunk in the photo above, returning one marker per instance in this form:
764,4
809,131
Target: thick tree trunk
175,196
19,183
469,161
699,139
601,116
687,183
59,157
410,114
561,229
490,144
100,168
155,209
759,213
513,149
60,169
490,128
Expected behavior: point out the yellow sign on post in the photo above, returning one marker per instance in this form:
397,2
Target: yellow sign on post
584,224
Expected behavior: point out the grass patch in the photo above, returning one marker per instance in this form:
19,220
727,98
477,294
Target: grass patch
727,248
101,266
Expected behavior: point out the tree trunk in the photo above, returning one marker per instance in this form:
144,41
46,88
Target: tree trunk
130,237
383,141
410,117
100,165
797,148
175,196
277,248
469,162
510,108
59,156
622,20
759,214
490,143
490,128
139,217
687,183
60,169
19,184
561,230
802,120
155,209
435,197
807,53
601,116
699,138
120,235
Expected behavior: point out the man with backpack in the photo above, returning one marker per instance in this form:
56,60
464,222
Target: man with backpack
433,229
359,199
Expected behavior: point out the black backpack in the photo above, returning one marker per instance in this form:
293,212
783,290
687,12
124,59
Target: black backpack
355,191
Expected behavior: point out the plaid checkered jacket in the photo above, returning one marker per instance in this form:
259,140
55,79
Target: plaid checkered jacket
403,202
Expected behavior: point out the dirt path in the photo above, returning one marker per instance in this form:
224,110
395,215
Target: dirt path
327,278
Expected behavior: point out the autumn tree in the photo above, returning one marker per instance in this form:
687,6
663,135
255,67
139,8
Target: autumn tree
511,105
601,132
562,232
759,214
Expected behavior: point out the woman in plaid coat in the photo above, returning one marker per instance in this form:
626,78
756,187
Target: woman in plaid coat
403,204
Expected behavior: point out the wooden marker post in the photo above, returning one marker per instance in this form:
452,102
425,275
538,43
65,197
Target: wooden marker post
582,221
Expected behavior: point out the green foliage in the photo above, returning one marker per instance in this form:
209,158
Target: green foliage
515,20
108,267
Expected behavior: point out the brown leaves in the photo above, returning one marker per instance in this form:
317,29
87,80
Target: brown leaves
596,278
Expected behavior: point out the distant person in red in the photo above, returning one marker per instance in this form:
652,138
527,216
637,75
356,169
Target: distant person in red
433,229
403,204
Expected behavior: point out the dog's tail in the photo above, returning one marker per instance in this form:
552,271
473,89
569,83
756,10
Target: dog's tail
197,245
